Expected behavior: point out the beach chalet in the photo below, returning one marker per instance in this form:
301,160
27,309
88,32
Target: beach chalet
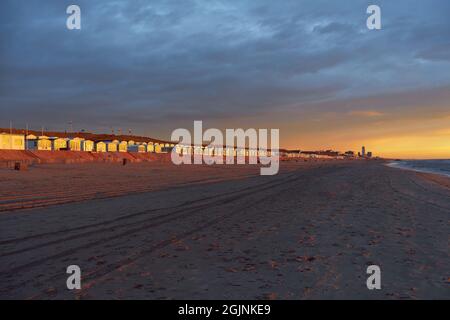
100,146
263,153
75,144
42,143
208,151
111,146
123,146
141,148
179,149
10,141
31,142
293,153
150,147
198,150
283,153
166,148
186,150
229,152
59,143
87,145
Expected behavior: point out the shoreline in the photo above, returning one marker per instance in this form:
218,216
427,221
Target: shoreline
441,180
397,165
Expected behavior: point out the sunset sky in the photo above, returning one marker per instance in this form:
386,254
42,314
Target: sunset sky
310,68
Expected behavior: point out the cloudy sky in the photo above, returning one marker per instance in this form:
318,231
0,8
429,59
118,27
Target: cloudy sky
308,67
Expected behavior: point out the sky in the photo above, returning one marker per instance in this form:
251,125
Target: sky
309,68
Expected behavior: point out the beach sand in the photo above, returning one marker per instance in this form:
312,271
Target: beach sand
224,232
436,178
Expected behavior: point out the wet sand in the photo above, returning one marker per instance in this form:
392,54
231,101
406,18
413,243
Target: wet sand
308,233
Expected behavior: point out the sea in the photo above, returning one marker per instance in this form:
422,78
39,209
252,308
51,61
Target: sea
441,167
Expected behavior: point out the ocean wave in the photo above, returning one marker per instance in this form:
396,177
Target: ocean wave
441,167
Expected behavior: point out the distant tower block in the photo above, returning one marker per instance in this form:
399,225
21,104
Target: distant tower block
363,151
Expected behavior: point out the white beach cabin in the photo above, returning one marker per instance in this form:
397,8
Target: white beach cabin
12,141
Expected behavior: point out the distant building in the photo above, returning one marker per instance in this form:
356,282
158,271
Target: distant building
292,153
321,154
349,154
363,151
369,154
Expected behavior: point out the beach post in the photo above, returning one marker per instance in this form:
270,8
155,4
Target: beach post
18,166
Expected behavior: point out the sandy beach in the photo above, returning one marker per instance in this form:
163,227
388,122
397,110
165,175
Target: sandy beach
156,231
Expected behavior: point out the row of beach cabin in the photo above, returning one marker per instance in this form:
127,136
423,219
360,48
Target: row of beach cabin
10,141
44,143
80,144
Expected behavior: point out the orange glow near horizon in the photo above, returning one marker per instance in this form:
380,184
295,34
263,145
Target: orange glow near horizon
401,147
415,136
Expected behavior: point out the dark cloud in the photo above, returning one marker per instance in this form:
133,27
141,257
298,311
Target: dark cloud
153,65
